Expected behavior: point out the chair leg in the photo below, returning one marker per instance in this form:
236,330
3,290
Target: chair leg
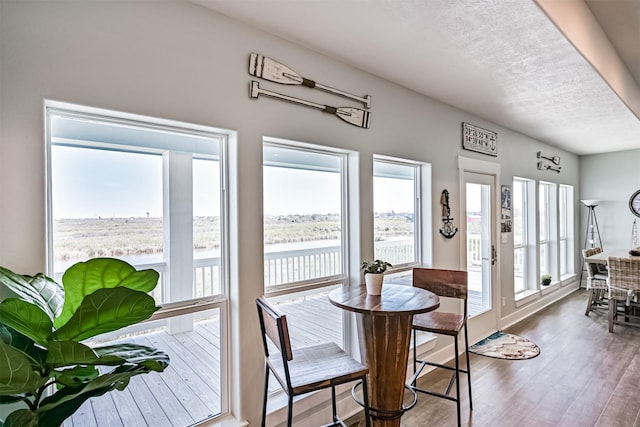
589,302
290,411
365,399
415,352
613,306
334,412
466,350
266,393
455,340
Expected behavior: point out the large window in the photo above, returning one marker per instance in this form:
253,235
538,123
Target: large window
148,191
396,210
565,208
304,196
523,235
545,239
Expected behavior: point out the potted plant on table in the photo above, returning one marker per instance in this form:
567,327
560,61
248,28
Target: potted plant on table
545,280
374,275
45,364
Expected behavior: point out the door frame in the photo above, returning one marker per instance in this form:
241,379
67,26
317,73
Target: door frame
466,164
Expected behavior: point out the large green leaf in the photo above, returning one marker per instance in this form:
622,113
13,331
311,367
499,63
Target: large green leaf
67,353
22,287
76,376
84,278
22,418
107,310
50,290
17,374
26,318
148,357
55,409
26,345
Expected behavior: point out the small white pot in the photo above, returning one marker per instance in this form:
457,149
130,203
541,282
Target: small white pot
374,283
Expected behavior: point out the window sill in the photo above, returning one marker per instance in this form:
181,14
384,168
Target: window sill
526,297
223,421
544,290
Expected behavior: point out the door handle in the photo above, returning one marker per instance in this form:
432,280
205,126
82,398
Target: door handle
494,255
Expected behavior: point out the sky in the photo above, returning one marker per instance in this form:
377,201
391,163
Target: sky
100,183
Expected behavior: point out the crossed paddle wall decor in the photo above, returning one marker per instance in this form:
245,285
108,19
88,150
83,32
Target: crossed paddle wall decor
268,69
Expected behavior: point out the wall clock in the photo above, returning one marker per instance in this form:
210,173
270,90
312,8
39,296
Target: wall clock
634,203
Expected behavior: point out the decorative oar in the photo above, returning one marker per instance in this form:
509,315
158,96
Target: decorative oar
350,115
274,71
554,159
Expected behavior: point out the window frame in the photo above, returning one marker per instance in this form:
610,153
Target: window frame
417,207
194,305
530,237
566,221
324,281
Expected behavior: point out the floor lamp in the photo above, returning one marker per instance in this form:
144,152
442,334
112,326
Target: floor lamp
592,229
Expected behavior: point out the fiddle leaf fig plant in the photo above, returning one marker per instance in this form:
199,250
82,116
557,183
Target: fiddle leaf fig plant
45,365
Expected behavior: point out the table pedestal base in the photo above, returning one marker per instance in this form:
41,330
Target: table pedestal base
384,341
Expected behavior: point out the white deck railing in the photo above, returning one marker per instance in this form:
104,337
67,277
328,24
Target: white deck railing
297,265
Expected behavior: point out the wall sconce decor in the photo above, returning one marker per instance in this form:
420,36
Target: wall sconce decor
448,230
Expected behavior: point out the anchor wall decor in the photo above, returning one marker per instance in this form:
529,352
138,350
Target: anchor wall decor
448,230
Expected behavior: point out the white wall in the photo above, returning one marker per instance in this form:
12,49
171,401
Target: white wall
177,61
610,178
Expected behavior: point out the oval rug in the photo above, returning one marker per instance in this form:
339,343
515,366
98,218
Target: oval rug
502,345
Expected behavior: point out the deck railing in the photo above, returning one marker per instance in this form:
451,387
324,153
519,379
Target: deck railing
297,265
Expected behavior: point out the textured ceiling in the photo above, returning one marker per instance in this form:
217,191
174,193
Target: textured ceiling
502,60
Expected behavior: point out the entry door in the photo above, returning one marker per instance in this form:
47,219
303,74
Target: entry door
481,255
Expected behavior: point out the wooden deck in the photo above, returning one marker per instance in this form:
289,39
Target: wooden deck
188,391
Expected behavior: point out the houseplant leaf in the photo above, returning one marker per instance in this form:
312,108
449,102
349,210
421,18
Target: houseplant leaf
76,376
26,345
148,357
26,318
55,409
22,418
22,286
107,310
17,374
66,353
84,278
49,290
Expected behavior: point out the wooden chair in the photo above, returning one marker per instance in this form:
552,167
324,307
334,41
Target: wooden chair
624,288
307,369
451,284
596,281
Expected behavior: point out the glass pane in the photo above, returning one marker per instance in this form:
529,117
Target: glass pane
105,203
479,247
187,392
206,227
519,213
543,207
544,259
394,212
519,269
302,215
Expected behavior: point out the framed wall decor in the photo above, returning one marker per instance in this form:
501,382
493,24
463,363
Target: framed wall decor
505,203
481,140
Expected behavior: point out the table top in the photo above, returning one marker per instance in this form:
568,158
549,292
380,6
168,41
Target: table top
395,300
601,258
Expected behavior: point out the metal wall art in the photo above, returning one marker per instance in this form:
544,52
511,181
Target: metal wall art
553,159
448,230
481,140
274,71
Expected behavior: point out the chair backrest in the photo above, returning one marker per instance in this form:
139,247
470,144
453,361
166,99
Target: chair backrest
592,267
273,325
624,273
444,283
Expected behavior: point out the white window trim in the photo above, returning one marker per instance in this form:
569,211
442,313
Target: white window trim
220,301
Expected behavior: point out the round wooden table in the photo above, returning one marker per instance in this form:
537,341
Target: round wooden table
384,330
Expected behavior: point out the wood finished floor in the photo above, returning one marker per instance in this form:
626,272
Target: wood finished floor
584,376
